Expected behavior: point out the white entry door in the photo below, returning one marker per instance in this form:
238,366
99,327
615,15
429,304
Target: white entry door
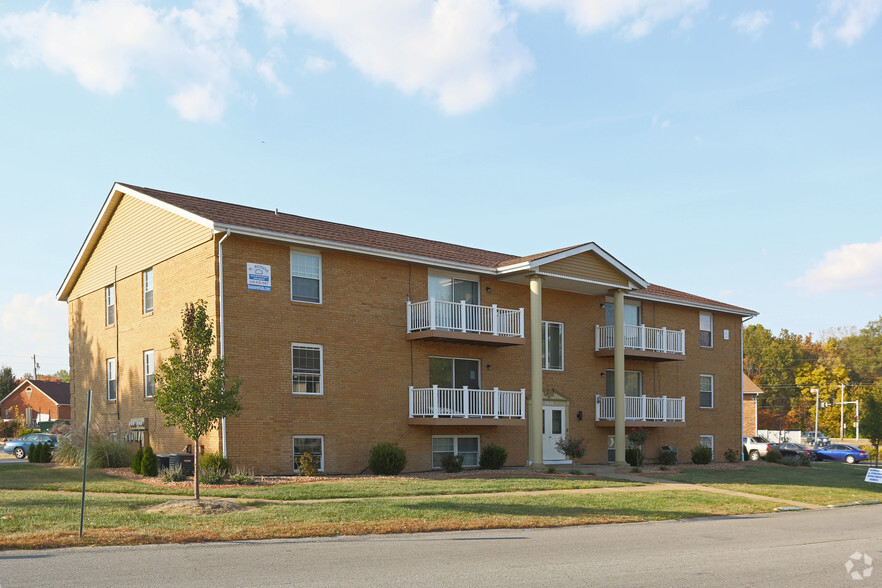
553,428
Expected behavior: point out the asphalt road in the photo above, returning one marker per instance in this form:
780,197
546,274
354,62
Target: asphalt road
807,548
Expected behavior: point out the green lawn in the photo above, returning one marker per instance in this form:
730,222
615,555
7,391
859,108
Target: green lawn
822,483
29,477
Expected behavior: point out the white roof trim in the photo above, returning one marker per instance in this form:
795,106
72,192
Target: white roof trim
583,280
691,304
587,247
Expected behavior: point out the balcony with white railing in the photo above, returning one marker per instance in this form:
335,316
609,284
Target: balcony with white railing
645,410
448,406
659,343
439,319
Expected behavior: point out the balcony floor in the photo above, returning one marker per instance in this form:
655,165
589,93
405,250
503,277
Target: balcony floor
638,354
460,422
460,337
645,424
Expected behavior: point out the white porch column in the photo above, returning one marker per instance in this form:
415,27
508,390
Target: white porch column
534,425
619,373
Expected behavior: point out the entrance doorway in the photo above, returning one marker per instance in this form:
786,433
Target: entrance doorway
554,420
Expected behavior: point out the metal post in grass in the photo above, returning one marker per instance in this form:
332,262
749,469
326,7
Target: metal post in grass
85,460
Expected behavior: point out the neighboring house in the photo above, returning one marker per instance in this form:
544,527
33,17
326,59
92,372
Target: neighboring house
346,337
750,401
38,401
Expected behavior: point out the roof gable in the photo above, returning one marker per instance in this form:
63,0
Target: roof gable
57,392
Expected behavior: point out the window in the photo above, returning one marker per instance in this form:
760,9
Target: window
111,379
306,362
707,441
632,313
467,447
633,383
306,277
149,385
552,346
147,279
706,329
110,296
449,372
454,289
706,391
311,445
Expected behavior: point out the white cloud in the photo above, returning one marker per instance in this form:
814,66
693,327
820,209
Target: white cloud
318,64
659,123
632,18
461,53
105,44
846,20
752,23
31,326
854,267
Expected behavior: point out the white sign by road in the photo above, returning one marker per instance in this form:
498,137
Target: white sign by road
259,277
874,475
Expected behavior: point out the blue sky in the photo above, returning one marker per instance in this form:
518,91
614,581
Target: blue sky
731,150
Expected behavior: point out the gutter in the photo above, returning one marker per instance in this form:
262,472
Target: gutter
220,328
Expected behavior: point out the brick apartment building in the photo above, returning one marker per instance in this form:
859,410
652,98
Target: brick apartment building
346,337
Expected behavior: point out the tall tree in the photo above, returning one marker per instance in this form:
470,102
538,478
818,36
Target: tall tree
871,419
191,386
7,381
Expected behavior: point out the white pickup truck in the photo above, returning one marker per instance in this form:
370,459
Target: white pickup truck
755,447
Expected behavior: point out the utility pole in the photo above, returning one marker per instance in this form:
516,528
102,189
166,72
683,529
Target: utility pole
817,393
36,365
841,411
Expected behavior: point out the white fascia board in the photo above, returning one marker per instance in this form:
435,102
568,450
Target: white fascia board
592,247
371,251
116,193
699,305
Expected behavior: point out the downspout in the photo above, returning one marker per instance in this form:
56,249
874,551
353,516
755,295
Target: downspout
756,396
220,328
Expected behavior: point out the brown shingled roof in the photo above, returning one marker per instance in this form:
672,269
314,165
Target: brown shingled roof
227,214
661,291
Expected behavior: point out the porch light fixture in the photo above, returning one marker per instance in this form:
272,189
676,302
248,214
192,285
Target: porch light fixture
487,289
489,367
579,415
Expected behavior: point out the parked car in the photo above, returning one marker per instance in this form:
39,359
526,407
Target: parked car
755,447
19,447
839,452
822,440
794,450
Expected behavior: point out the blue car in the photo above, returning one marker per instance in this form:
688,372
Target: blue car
19,447
839,452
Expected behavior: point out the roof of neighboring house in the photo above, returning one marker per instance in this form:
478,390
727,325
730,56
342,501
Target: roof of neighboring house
223,216
748,386
58,392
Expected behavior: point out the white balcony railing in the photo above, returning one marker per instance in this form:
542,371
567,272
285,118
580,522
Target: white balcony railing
467,403
466,318
642,338
643,408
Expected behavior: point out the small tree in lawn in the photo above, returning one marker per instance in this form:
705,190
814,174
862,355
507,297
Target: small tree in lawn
871,420
191,389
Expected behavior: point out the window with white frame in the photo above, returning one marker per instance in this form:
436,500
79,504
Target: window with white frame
454,372
552,346
110,303
306,277
306,367
707,441
111,379
633,383
147,282
149,367
315,446
706,329
706,391
467,447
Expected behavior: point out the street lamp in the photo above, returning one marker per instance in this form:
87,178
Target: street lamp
817,393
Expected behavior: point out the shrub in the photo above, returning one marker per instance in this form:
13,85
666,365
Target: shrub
701,455
731,455
149,464
215,461
575,473
243,477
45,453
796,460
451,463
667,457
637,436
634,457
773,456
60,428
32,452
211,475
173,474
9,429
24,432
493,457
572,448
387,459
551,470
308,464
136,462
109,452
